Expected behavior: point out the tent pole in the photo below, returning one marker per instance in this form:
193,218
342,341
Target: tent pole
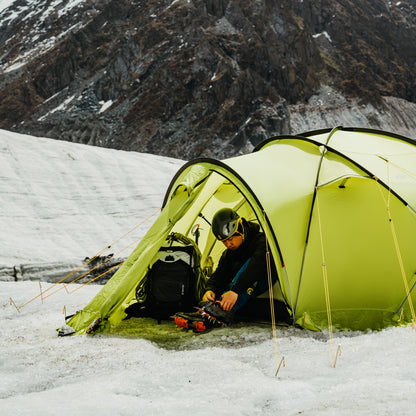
405,299
290,293
300,278
311,211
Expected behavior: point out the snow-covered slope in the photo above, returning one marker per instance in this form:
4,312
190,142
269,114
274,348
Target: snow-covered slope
33,16
62,201
228,371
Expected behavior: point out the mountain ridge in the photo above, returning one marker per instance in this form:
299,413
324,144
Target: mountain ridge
202,78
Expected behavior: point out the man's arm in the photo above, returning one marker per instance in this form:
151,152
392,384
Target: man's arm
256,268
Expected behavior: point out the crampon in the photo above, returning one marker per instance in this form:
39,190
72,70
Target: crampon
196,321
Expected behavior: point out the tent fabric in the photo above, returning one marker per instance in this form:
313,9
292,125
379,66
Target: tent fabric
341,201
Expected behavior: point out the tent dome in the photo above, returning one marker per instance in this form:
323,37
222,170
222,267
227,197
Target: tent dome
338,208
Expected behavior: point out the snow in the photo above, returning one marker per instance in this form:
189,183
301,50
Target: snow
66,6
69,6
63,105
39,11
63,201
170,5
226,371
105,105
47,185
4,4
324,33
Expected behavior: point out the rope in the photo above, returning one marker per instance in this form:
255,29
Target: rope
325,279
89,271
396,244
64,278
399,167
272,312
408,172
95,278
87,262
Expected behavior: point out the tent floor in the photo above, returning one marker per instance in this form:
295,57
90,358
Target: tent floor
252,326
168,336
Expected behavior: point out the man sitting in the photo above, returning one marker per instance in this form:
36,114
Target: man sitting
242,270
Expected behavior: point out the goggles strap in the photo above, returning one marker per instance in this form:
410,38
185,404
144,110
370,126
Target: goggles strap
237,232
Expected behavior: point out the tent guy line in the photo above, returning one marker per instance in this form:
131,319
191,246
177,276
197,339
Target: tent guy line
399,256
99,253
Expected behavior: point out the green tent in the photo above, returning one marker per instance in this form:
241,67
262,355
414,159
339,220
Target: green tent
337,208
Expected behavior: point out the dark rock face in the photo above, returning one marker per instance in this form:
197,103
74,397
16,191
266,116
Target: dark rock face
194,78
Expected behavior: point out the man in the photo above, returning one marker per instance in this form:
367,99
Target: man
242,270
241,273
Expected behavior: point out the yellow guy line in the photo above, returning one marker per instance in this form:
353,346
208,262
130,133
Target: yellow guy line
396,245
86,262
325,279
272,312
65,277
95,278
89,271
399,167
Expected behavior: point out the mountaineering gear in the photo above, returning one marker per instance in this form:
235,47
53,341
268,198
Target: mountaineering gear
94,326
171,282
170,285
208,315
65,330
195,321
225,223
214,311
337,208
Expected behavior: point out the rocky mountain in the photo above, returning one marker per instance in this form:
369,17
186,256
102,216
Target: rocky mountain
197,78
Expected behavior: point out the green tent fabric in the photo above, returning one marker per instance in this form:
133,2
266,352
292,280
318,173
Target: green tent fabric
338,208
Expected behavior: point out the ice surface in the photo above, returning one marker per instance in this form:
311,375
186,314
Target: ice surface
228,371
61,200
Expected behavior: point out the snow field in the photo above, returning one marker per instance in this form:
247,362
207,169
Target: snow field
226,371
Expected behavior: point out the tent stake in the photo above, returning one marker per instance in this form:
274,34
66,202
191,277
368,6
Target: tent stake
12,303
336,355
41,293
282,361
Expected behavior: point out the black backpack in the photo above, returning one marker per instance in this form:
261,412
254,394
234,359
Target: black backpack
174,279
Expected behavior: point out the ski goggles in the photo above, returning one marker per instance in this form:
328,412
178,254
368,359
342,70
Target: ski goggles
231,229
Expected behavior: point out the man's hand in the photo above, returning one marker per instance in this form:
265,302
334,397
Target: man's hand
209,296
228,300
